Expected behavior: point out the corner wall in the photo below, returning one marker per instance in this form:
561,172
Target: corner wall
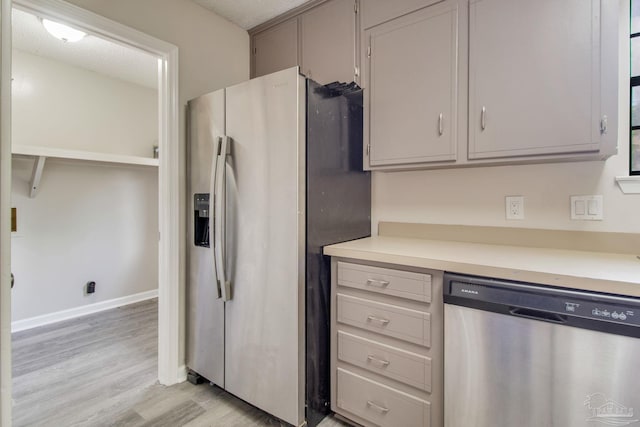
88,221
62,106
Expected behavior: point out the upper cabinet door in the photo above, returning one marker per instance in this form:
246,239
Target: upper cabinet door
275,49
375,12
411,81
329,42
534,77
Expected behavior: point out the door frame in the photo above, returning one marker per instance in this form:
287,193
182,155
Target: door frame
5,213
170,368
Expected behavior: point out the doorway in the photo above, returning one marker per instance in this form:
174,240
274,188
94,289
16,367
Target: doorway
84,182
169,369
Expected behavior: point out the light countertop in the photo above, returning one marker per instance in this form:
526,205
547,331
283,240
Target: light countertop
596,271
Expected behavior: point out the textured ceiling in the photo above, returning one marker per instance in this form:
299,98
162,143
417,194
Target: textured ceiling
249,13
91,53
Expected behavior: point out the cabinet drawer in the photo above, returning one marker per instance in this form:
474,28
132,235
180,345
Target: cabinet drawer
379,404
392,362
398,322
415,286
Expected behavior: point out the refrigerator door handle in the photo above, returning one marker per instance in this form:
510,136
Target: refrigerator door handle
220,218
212,210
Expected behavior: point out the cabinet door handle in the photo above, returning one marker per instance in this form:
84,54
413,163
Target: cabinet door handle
380,283
483,118
603,125
383,362
378,319
378,407
440,125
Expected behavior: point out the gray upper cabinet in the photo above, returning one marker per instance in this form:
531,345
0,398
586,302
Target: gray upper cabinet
375,12
534,77
487,82
328,37
453,83
411,81
276,48
323,40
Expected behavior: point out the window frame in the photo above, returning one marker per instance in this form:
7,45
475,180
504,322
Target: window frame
634,81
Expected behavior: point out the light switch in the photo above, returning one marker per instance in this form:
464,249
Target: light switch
587,208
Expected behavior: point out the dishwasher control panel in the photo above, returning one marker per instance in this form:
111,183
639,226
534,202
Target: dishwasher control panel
614,313
603,311
540,301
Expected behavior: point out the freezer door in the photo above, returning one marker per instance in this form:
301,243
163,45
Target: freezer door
265,244
205,311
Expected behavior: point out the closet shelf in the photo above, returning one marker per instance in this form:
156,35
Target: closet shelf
60,153
42,153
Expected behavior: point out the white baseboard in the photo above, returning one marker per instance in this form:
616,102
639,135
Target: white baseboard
58,316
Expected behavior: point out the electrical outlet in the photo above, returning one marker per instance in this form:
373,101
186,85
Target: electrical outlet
90,288
514,206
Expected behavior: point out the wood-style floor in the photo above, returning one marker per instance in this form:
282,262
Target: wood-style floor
101,370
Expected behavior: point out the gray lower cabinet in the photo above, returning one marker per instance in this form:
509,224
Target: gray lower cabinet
411,87
386,344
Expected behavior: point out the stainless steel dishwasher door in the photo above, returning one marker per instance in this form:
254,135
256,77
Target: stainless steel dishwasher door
502,370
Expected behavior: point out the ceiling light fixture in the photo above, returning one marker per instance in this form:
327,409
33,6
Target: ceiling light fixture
63,32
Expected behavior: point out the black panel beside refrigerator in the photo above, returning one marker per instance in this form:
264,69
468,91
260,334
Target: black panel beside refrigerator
338,210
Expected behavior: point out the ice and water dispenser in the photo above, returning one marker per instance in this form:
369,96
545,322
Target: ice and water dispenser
201,219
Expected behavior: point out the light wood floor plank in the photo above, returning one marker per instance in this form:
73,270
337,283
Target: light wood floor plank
101,370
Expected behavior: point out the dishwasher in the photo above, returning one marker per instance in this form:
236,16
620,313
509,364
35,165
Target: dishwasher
526,355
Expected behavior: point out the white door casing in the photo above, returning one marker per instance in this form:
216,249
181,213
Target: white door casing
5,213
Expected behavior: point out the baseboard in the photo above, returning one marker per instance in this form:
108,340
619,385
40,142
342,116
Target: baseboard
58,316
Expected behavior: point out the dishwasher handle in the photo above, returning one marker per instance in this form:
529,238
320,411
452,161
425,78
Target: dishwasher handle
538,315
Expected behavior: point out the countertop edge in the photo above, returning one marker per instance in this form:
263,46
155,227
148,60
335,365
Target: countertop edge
551,279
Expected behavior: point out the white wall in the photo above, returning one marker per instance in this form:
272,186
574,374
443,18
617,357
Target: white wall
62,106
475,196
214,53
88,222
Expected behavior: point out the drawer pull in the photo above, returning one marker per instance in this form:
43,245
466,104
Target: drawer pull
380,361
378,407
378,319
379,283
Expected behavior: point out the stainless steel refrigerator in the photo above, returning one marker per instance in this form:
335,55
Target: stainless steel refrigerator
274,174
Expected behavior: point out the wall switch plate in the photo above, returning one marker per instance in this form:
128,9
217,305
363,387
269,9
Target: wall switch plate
514,206
587,208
